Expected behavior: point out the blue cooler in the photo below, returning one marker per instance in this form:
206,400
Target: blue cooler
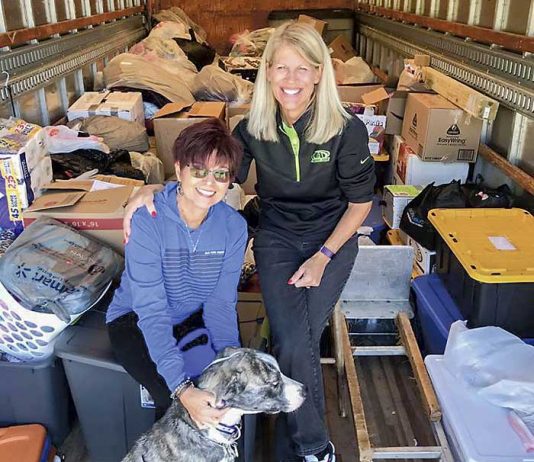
436,311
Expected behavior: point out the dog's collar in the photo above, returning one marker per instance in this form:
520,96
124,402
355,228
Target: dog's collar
230,432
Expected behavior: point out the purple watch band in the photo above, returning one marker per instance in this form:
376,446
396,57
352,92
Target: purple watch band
326,251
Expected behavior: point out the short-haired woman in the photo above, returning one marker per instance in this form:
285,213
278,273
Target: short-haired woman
315,182
181,273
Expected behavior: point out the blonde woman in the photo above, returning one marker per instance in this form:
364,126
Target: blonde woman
315,180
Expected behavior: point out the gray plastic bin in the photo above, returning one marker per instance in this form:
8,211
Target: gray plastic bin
35,392
107,399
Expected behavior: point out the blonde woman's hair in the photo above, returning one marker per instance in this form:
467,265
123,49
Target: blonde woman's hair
328,116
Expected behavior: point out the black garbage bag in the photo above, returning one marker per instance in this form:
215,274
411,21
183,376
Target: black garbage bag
72,164
478,194
148,96
414,220
200,54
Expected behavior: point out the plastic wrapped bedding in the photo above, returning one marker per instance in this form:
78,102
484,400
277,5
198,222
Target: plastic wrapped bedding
214,84
53,268
129,70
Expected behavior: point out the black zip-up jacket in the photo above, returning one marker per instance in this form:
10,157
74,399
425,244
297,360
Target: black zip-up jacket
305,195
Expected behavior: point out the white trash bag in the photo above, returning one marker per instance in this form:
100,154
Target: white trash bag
498,365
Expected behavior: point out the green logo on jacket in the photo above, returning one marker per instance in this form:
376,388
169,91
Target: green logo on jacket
320,157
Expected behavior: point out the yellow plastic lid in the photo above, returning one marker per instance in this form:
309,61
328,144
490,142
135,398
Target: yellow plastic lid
493,245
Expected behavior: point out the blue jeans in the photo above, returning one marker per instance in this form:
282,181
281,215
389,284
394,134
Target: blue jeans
297,318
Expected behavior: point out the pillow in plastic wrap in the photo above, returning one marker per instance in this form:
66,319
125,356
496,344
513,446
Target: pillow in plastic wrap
53,268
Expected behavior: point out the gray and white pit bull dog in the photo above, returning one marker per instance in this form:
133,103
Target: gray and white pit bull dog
243,380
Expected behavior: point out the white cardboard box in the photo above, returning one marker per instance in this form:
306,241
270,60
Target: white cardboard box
396,197
127,106
376,126
424,259
411,169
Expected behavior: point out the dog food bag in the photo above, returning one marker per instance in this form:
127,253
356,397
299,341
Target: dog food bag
53,268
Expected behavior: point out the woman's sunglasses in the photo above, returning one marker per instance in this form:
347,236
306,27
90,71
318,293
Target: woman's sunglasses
222,175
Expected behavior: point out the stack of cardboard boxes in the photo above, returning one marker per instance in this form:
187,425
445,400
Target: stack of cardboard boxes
86,205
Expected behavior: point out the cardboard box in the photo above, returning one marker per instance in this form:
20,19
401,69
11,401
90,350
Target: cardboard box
394,104
411,170
395,200
355,93
170,120
424,259
341,48
317,24
237,109
125,105
439,131
97,213
376,125
395,112
371,96
22,176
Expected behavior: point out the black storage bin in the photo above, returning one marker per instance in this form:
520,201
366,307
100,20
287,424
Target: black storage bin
35,392
510,306
107,399
493,284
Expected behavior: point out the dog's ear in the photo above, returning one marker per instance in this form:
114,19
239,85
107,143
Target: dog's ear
227,352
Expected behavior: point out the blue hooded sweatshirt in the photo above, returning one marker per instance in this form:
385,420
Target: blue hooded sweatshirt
165,281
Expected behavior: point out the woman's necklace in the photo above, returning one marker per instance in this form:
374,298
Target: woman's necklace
194,245
190,231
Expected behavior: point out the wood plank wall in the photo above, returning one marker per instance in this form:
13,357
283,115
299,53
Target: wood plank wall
222,18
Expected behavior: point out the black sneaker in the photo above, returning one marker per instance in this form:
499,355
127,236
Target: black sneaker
326,455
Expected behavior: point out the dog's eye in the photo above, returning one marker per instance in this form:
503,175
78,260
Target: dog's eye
275,384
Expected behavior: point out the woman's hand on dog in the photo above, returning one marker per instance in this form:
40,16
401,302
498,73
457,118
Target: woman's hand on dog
201,407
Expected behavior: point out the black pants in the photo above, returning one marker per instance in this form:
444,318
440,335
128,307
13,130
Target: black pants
297,317
131,352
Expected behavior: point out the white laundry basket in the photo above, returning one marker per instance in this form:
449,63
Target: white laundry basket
26,334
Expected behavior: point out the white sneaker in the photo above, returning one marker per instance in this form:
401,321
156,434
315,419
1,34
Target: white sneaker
326,455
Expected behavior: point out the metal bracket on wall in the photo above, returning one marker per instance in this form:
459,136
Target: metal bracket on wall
35,66
504,76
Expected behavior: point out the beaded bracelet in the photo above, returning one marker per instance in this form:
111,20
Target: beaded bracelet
181,388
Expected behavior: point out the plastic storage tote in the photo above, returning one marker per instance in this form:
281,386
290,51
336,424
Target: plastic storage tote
24,443
107,399
486,259
436,311
477,430
35,393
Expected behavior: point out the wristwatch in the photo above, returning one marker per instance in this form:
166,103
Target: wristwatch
326,251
